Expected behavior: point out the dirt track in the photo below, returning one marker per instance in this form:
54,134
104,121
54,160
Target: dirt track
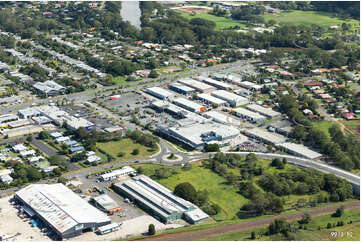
232,228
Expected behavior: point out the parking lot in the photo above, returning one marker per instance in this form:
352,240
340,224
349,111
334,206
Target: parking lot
16,228
86,185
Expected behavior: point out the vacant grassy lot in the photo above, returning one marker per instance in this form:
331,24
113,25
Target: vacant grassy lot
312,234
353,125
119,80
220,193
127,146
324,126
226,196
221,22
310,17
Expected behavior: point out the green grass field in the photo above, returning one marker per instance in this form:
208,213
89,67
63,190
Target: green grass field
119,80
221,22
353,125
324,126
220,193
226,196
312,234
310,17
127,146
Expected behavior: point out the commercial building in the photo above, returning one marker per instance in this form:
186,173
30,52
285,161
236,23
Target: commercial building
221,118
19,123
156,199
199,86
215,83
60,209
268,112
250,86
208,99
300,150
6,179
233,99
108,228
248,115
29,112
106,204
49,88
243,92
189,105
282,127
197,135
182,89
59,117
124,171
6,118
159,92
265,136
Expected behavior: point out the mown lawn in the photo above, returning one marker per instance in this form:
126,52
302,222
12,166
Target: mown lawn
310,17
127,146
311,234
221,22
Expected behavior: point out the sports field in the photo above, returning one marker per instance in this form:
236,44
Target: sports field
221,22
310,17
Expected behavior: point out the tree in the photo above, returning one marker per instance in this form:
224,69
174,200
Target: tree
153,74
135,151
211,147
121,154
338,212
29,138
44,135
278,163
151,229
253,235
186,191
33,174
306,218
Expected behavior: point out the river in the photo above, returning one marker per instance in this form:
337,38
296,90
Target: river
131,12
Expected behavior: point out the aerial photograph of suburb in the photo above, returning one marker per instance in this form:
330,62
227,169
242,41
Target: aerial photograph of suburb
179,120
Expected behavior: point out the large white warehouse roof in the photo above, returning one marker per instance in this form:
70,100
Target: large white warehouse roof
60,206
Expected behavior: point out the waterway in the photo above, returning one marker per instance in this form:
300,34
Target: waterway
131,12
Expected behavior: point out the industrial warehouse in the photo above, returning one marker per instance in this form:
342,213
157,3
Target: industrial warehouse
182,89
189,105
220,118
217,84
233,99
159,201
198,86
265,136
248,115
300,150
64,212
159,92
268,112
208,99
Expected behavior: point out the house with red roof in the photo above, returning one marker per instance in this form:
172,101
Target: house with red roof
349,116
